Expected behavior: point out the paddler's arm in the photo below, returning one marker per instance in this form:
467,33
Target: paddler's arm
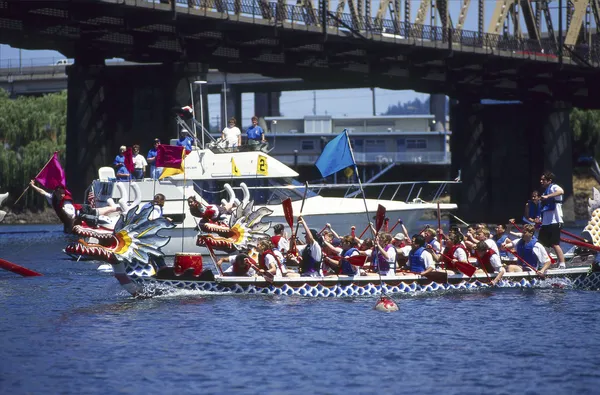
333,231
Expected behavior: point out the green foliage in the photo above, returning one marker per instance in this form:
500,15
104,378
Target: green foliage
31,130
586,133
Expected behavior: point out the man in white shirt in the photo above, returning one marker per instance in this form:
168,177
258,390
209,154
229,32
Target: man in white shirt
232,134
552,216
139,163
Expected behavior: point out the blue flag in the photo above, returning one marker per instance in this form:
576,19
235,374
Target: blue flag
336,156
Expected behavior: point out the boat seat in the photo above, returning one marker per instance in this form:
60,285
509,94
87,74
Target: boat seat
106,173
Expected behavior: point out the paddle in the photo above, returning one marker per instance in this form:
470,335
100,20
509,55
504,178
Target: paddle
465,268
394,227
288,213
301,207
214,258
23,271
385,224
379,218
573,235
542,276
581,244
353,231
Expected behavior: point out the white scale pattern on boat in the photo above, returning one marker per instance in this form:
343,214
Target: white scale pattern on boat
152,287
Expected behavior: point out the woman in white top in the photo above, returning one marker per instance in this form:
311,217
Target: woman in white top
232,134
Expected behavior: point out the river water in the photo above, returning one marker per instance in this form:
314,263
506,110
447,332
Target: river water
75,331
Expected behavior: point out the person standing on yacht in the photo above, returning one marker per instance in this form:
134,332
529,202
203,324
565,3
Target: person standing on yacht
256,134
119,164
184,141
139,163
155,172
232,134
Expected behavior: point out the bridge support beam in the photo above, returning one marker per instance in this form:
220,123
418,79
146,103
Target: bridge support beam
266,104
119,105
501,150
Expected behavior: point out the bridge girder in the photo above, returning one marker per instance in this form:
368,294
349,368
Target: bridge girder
220,33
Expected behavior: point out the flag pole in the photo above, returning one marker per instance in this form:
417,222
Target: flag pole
359,182
40,172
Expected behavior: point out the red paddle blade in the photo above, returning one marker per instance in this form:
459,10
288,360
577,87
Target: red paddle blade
465,268
379,217
288,212
357,260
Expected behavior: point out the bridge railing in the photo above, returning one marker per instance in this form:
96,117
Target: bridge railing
372,28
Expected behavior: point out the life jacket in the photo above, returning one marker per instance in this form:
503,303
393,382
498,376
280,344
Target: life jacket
500,241
525,251
262,262
417,263
309,264
449,255
275,240
346,267
378,261
550,203
535,209
484,261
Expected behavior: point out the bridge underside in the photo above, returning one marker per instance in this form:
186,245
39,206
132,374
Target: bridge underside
418,57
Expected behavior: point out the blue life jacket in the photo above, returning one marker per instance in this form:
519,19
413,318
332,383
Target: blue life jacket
550,203
378,261
417,263
525,251
499,242
347,267
309,264
535,209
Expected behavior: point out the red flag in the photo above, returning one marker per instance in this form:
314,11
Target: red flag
128,154
169,156
52,175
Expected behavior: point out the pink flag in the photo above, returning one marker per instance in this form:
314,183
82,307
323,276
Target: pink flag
52,175
169,156
129,160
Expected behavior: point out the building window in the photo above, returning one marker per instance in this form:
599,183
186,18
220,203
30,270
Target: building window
308,145
416,144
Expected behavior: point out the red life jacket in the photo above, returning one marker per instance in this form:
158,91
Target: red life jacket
484,261
262,261
449,255
275,240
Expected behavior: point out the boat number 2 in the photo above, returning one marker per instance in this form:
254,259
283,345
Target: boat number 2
262,167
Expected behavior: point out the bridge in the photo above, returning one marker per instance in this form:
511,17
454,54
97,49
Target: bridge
546,57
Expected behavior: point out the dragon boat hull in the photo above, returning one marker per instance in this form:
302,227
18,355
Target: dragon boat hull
347,286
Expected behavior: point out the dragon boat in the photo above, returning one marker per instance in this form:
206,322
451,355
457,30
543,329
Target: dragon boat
134,249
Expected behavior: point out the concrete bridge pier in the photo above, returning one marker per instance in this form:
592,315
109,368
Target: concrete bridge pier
501,151
232,97
119,105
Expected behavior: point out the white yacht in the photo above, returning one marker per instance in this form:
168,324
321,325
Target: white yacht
211,172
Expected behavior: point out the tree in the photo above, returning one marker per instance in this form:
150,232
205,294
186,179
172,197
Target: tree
31,130
586,133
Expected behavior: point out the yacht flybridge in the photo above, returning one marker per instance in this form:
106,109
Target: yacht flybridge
214,175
